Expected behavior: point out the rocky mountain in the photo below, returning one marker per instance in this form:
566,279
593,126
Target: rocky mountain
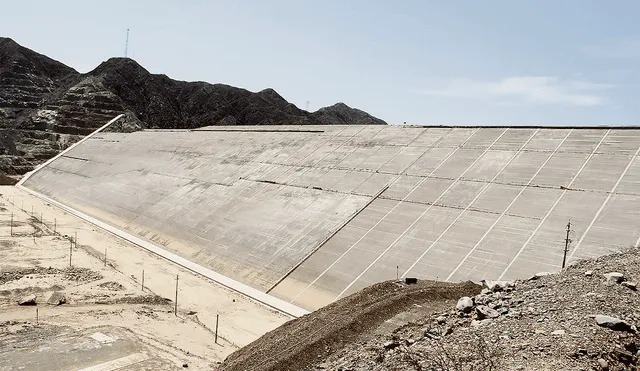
45,105
340,113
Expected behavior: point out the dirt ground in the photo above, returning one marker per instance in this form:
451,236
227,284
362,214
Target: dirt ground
358,318
106,297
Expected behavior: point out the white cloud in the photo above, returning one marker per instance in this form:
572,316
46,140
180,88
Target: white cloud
622,48
526,90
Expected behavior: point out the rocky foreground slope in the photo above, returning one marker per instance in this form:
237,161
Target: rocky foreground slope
583,318
45,105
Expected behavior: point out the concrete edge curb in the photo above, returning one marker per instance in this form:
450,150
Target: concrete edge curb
29,174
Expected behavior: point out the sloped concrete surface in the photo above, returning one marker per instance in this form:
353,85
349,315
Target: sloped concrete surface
252,203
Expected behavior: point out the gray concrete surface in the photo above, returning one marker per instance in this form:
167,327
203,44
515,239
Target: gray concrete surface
47,347
462,203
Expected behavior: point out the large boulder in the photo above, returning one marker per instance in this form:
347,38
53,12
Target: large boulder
465,304
27,300
57,298
614,323
483,312
614,278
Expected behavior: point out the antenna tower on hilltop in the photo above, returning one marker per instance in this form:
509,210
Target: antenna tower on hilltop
308,105
126,44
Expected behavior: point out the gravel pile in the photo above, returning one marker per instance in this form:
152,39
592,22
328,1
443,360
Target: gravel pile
583,318
80,274
69,274
299,343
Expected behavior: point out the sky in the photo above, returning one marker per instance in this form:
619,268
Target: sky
417,62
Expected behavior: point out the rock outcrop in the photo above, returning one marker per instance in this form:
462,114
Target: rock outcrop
45,106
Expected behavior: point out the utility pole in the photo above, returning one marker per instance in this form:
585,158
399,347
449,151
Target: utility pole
567,241
175,308
217,318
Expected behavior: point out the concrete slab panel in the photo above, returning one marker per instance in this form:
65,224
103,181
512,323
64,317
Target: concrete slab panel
618,226
381,156
402,160
430,161
583,141
374,184
461,194
402,187
512,140
630,183
430,136
621,141
491,256
496,198
430,190
602,171
489,165
560,169
457,137
458,163
523,167
484,138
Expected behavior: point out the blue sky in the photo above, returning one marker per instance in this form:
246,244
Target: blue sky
423,62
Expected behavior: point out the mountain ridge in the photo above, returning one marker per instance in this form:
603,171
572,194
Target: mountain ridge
45,105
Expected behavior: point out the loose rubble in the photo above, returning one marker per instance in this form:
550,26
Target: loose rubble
583,318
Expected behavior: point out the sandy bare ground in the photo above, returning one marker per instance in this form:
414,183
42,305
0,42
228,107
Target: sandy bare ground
35,260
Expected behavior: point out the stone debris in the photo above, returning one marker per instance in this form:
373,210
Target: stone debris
539,275
614,278
549,321
465,304
614,323
57,298
27,300
604,365
494,286
484,312
391,345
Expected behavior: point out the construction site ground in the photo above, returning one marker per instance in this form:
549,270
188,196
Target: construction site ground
108,321
358,318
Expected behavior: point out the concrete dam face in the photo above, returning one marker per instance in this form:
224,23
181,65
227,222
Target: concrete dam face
310,214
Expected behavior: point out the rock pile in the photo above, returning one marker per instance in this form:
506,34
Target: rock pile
582,318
